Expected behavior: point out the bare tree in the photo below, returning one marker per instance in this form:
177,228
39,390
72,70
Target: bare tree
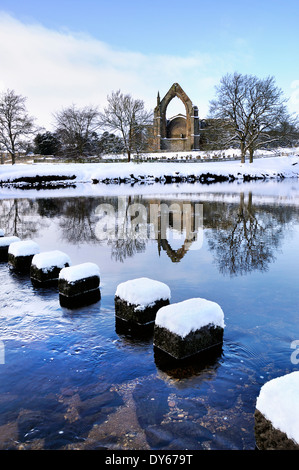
15,124
77,128
287,133
215,134
128,117
250,109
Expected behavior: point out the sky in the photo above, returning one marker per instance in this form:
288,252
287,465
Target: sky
63,52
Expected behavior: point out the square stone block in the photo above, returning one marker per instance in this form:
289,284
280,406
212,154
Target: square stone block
20,254
132,312
138,300
79,285
188,328
194,343
267,437
5,242
80,300
45,267
70,289
277,414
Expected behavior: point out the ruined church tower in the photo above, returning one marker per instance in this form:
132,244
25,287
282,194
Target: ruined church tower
179,133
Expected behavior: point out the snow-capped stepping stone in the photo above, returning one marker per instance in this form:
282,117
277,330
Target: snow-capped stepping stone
20,254
79,284
277,414
189,327
138,300
5,242
46,266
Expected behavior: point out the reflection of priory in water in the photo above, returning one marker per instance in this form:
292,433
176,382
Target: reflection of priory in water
135,222
182,218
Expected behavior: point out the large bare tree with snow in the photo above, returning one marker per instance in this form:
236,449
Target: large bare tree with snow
77,129
129,118
250,110
16,126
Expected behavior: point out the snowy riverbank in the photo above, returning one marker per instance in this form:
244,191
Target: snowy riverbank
167,172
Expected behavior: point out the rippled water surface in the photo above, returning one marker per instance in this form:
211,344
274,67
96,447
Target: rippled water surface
72,380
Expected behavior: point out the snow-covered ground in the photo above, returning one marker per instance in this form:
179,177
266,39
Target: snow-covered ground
273,188
268,167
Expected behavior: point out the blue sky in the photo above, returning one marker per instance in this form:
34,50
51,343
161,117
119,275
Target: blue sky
61,52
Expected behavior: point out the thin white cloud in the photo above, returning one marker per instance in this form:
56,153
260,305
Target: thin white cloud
54,69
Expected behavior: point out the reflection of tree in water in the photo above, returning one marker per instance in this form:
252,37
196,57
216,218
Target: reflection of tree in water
126,248
78,220
18,217
50,207
166,215
244,238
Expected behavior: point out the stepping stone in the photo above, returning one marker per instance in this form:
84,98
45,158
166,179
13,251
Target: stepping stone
5,242
79,285
277,414
45,267
189,327
20,254
2,233
138,300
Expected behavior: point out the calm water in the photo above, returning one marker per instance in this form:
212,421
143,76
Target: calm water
72,380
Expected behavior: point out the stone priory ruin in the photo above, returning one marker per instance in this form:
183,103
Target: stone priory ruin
179,133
